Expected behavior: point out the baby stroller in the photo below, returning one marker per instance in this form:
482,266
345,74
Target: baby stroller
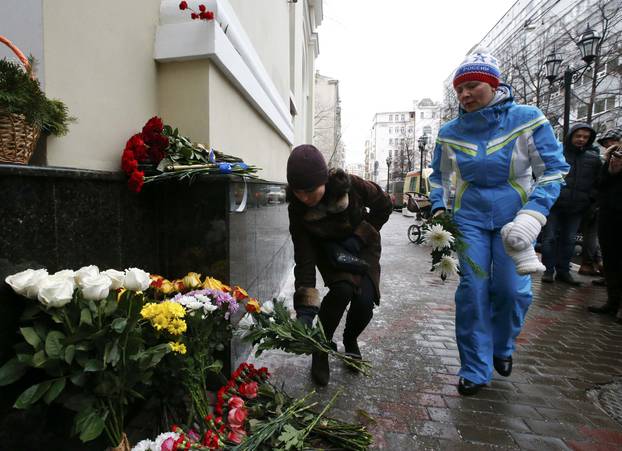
419,204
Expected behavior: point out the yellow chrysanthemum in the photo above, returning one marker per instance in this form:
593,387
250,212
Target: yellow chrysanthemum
177,327
177,347
160,322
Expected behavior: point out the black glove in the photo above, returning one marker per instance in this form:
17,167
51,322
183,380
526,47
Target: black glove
306,315
343,259
353,244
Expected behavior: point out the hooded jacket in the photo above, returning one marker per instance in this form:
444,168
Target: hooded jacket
585,163
350,206
493,153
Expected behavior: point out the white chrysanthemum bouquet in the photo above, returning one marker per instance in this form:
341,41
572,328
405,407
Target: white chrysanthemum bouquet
442,235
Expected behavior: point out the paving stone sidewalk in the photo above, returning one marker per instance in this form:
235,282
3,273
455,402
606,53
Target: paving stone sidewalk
410,401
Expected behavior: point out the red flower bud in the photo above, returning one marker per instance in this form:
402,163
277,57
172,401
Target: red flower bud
194,16
183,5
202,16
209,15
202,8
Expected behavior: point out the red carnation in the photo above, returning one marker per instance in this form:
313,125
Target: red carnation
202,16
154,125
249,390
209,15
137,145
194,16
202,8
128,162
183,5
136,181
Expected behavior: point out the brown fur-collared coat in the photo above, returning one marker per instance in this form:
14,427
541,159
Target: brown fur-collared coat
350,205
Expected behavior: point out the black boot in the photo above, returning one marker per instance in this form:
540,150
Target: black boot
468,388
605,309
320,372
503,365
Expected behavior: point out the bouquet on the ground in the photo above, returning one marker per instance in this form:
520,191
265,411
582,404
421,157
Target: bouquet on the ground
173,155
84,341
202,310
253,414
442,234
274,328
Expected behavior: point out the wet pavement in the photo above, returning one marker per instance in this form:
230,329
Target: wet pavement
564,357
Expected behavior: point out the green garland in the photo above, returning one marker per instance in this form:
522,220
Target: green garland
21,94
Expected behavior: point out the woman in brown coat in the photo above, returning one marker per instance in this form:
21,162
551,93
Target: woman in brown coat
335,222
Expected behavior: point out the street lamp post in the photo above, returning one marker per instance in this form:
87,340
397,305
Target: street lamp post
423,140
389,161
589,46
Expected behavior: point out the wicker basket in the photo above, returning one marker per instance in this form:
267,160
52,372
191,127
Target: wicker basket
18,138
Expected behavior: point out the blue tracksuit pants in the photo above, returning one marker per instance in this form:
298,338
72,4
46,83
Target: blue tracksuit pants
490,311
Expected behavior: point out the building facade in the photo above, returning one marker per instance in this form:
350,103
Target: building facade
393,147
327,121
530,31
121,63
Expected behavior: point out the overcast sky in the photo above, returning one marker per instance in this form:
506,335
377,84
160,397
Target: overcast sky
385,53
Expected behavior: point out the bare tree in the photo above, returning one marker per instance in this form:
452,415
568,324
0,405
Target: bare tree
327,134
449,107
405,153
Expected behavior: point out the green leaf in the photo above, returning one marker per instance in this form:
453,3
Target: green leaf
93,365
56,389
31,336
32,395
118,325
93,427
70,351
78,379
111,354
111,306
86,317
54,344
11,371
291,437
39,359
26,359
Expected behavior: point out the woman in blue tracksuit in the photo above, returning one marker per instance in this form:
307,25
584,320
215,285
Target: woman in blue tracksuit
492,151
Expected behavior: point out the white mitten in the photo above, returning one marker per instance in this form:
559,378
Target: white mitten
526,260
523,231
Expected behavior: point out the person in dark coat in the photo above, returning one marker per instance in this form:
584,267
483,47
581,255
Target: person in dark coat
575,198
335,221
609,226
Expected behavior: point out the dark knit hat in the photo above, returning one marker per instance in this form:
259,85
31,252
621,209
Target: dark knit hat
306,168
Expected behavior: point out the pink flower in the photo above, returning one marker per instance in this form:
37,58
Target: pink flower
236,436
168,444
249,390
194,436
237,417
235,402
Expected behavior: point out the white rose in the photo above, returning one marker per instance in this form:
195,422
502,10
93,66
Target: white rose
55,291
69,274
136,279
117,277
26,283
86,271
267,307
95,288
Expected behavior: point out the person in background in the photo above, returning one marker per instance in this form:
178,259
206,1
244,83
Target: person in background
575,198
609,226
334,221
493,147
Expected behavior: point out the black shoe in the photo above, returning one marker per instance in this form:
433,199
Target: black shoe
503,365
468,388
605,309
351,348
547,277
320,372
565,277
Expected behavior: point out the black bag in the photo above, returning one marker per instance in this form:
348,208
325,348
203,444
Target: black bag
343,260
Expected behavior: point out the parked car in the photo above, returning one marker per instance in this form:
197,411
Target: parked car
276,195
